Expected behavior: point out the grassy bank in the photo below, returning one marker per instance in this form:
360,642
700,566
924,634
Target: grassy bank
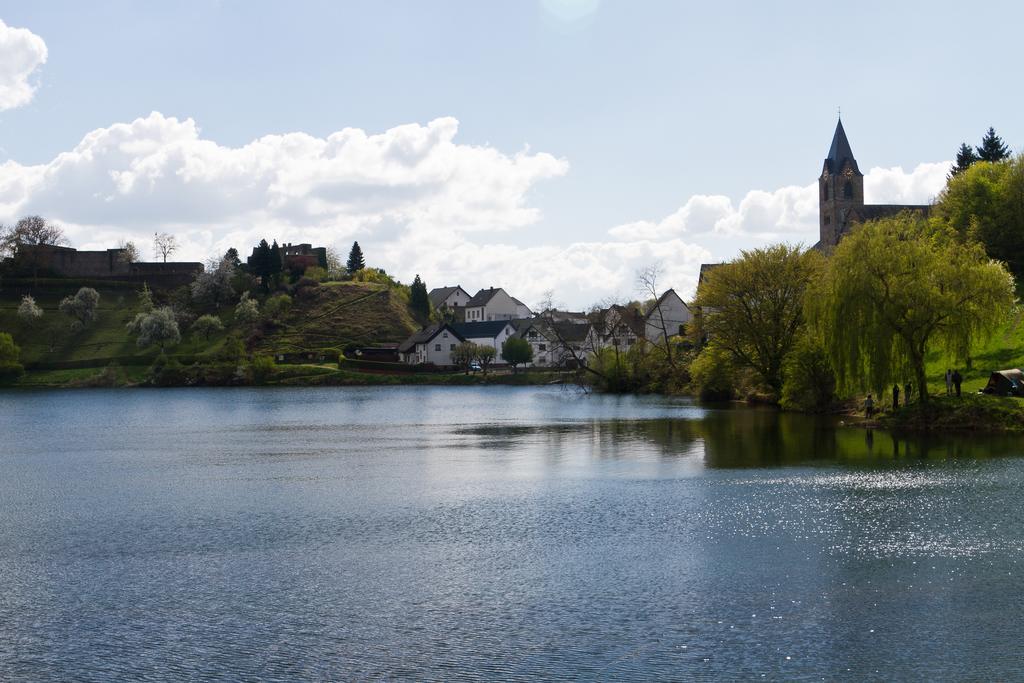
969,413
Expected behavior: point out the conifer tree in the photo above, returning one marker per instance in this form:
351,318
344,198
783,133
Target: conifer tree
964,158
276,260
355,259
418,299
261,262
992,147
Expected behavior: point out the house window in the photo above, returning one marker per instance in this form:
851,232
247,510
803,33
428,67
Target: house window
543,347
452,348
445,335
437,347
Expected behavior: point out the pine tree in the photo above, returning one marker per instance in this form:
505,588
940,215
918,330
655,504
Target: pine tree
964,158
992,147
418,299
355,259
261,263
232,255
276,260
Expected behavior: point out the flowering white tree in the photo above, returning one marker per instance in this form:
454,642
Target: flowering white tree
29,311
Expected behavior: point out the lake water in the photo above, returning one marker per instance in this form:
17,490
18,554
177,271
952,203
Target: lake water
494,534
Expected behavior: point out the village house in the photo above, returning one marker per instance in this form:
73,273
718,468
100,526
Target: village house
448,297
620,327
667,318
557,343
432,344
492,333
495,304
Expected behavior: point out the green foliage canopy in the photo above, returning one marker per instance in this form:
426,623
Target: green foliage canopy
10,355
753,307
898,288
986,203
516,351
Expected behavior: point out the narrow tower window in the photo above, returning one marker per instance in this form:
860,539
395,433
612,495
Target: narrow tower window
825,192
848,190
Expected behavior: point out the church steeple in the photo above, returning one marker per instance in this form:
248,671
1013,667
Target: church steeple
840,191
839,153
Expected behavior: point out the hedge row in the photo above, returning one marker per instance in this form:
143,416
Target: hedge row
387,368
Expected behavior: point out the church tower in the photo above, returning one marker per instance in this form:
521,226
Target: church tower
840,191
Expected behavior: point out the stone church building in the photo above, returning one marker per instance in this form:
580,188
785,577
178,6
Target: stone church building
841,195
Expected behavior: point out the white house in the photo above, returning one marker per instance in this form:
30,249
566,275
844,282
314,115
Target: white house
667,318
433,344
491,333
558,343
448,297
619,327
495,304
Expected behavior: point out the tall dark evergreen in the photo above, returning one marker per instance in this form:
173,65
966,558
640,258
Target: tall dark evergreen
992,147
355,259
418,299
964,158
232,256
276,260
261,263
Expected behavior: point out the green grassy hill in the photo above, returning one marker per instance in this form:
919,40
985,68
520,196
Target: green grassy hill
336,315
1005,349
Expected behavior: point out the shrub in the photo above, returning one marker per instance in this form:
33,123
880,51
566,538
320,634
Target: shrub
166,372
10,357
315,273
809,384
277,306
713,374
261,368
206,326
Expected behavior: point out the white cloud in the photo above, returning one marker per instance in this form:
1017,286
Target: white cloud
158,173
21,53
895,186
789,213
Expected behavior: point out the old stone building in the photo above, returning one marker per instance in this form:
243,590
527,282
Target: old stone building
49,260
841,195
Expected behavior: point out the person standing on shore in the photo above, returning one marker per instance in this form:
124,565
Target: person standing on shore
869,406
895,397
949,382
906,393
957,380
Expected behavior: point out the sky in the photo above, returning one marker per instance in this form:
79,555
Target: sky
537,145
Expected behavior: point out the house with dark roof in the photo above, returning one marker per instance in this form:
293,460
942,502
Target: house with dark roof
492,333
448,297
841,195
557,343
619,327
494,303
432,344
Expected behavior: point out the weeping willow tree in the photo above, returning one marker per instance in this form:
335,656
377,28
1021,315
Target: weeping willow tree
896,289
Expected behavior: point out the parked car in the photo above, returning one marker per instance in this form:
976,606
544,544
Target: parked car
475,366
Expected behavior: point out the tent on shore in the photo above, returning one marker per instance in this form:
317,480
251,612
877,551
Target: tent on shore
1005,383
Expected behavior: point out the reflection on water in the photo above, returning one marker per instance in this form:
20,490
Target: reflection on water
442,533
